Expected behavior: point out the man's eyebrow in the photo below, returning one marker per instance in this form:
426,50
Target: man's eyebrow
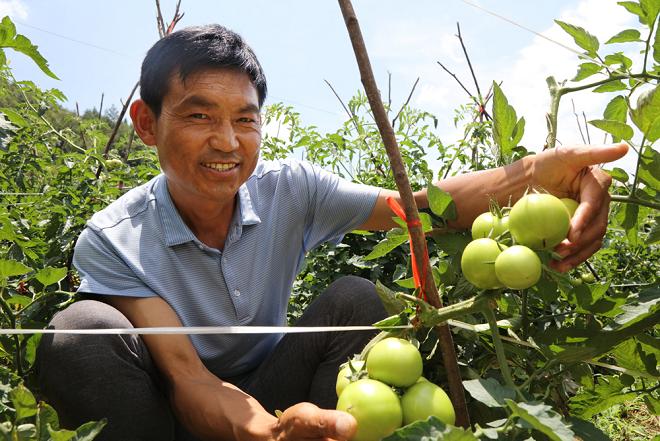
196,100
249,108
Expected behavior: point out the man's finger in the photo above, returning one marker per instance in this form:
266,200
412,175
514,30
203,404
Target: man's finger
593,197
587,155
307,421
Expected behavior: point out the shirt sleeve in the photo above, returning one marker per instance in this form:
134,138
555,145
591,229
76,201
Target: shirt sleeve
102,270
336,206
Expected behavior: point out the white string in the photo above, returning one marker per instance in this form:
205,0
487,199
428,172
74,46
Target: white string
179,330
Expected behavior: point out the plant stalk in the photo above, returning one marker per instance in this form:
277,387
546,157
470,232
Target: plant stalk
418,239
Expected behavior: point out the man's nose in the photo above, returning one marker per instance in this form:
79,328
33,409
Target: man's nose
223,137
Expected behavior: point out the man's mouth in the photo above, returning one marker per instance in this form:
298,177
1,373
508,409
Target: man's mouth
220,166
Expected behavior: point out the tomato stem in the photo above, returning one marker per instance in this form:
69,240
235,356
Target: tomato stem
499,350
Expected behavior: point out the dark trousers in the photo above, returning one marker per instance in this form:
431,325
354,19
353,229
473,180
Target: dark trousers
89,377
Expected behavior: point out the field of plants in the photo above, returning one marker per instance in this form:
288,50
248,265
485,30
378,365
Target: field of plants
573,356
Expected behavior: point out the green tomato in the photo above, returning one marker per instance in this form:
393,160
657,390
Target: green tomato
112,164
478,263
375,407
587,278
345,374
487,225
425,399
539,221
394,361
518,267
571,205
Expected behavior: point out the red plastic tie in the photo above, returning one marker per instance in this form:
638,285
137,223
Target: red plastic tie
420,282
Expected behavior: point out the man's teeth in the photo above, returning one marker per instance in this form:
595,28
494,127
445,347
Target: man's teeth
220,167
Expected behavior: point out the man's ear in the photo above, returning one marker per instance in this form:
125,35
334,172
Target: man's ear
144,122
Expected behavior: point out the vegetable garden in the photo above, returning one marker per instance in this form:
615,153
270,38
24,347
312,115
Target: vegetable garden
573,356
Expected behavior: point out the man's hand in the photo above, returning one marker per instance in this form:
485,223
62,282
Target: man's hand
306,421
573,172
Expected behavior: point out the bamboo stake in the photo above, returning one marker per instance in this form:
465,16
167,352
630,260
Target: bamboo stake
418,239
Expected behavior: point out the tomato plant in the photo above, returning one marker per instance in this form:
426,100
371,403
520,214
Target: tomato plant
539,221
374,405
347,374
478,263
424,399
394,361
518,267
489,225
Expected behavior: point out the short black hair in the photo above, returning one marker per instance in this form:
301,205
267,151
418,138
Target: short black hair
190,50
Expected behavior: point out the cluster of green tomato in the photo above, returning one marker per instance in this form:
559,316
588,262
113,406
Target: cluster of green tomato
388,391
536,222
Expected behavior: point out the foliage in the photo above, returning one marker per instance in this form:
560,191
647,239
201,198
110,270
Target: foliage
576,348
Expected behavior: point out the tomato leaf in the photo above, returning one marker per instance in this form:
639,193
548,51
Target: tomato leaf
608,392
638,308
611,86
619,174
542,418
24,402
581,37
10,39
489,391
647,110
46,416
616,109
11,268
440,202
49,275
507,128
393,239
586,70
617,129
625,36
586,430
431,429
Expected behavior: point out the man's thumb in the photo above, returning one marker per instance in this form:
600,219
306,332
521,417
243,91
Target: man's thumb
341,425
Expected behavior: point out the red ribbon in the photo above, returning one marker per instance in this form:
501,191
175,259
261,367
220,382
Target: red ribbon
420,281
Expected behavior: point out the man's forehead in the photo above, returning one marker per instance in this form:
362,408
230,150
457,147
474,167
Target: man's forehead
230,79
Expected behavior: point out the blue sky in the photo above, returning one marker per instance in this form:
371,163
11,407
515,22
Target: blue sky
96,47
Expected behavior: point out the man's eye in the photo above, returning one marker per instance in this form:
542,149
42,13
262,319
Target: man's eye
199,116
246,120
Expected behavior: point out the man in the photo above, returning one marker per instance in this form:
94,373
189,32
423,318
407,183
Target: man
218,239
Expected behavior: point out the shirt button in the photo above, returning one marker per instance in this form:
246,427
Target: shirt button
237,293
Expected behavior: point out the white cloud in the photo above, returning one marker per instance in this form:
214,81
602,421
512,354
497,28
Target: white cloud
14,9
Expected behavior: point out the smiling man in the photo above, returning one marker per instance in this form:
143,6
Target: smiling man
218,238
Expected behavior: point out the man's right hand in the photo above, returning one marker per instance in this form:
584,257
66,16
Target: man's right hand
305,421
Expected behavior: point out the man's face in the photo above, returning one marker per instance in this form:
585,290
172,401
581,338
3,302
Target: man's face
208,135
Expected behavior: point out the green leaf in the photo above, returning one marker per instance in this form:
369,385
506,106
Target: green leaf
619,174
611,86
656,45
638,308
14,117
431,430
617,129
625,36
49,275
392,304
616,109
652,403
20,43
628,219
46,417
23,401
61,435
89,430
393,239
636,9
507,129
440,202
11,268
618,58
586,70
542,418
649,169
647,110
608,392
586,430
489,392
651,8
582,38
635,355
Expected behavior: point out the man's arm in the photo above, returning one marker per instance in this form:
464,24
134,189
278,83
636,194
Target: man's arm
213,409
562,171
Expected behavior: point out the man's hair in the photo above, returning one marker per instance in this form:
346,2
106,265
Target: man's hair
190,50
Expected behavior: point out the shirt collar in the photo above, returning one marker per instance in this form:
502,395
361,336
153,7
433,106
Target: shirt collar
175,229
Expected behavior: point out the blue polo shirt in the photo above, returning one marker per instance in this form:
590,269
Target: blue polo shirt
139,246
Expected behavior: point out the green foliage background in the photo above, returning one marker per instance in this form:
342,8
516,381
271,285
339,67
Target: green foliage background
578,345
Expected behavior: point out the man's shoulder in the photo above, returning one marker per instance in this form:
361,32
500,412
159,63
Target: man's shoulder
130,205
278,167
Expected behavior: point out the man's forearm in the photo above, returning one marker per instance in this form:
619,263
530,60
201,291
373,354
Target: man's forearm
472,192
216,410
